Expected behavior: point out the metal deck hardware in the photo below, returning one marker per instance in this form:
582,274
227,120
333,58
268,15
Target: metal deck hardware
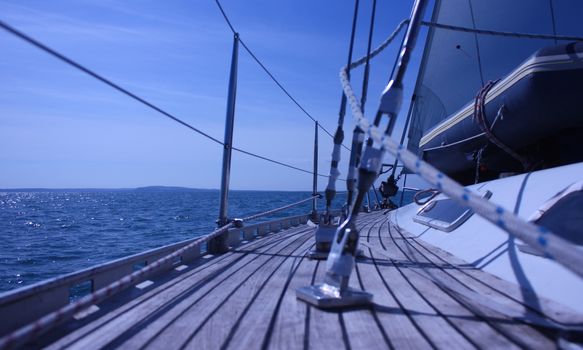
220,244
334,292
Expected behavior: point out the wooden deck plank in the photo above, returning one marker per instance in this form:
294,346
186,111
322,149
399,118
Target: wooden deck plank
396,321
400,328
254,324
246,299
187,321
291,326
476,325
439,330
158,300
363,325
324,323
244,320
516,299
466,322
167,291
363,328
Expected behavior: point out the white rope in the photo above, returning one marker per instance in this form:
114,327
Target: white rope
382,46
538,237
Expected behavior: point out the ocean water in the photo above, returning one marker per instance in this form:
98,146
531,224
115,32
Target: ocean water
49,233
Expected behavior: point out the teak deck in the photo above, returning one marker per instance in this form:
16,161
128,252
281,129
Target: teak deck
245,299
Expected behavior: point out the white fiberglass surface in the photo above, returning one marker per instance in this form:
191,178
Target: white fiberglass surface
486,246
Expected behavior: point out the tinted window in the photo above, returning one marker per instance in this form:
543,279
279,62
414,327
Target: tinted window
565,218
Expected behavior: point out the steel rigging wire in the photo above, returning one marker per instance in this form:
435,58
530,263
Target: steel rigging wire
130,94
271,75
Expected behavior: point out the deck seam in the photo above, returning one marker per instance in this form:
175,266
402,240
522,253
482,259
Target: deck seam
399,303
308,311
508,334
345,337
273,319
464,305
405,311
370,224
136,328
374,312
260,244
235,327
496,290
201,325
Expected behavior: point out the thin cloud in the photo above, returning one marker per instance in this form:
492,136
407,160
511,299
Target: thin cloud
33,20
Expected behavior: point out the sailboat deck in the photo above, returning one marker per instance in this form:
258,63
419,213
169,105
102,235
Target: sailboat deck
246,299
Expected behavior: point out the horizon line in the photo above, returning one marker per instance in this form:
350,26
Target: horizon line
153,187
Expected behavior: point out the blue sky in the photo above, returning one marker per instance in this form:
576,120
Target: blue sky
62,129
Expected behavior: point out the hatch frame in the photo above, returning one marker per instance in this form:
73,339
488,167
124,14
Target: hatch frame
442,225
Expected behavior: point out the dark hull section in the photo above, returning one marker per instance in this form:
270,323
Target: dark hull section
541,118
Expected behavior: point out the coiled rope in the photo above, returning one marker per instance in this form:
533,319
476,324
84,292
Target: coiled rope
480,117
538,237
420,200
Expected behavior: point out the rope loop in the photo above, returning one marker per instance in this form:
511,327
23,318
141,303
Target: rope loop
480,118
422,201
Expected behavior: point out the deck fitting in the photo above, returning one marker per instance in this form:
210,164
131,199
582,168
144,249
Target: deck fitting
325,233
316,254
326,296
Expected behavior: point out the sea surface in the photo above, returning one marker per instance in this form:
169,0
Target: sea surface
46,233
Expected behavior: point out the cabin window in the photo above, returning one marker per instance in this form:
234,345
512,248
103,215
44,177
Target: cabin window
565,218
562,215
445,214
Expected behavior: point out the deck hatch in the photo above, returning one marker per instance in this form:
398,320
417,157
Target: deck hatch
445,214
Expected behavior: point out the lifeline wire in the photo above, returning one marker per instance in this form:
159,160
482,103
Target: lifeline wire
272,76
32,330
104,80
130,94
279,163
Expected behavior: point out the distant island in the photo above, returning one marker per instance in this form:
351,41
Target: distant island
169,189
